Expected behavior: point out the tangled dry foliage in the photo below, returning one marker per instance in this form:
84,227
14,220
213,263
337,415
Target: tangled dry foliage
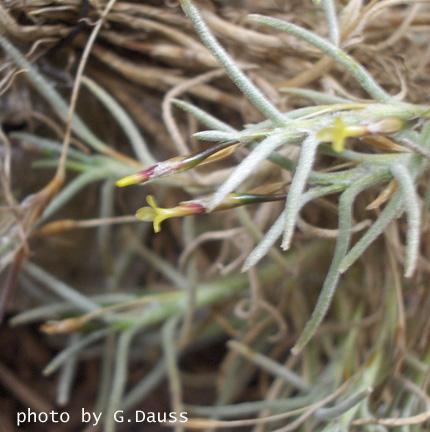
174,307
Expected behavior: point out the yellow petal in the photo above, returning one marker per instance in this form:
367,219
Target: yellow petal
157,223
146,214
339,124
338,143
151,201
154,213
325,135
129,180
335,134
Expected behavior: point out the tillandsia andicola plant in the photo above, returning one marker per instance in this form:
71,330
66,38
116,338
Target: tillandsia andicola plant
277,172
396,135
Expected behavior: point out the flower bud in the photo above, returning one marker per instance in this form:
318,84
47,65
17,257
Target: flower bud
179,164
386,126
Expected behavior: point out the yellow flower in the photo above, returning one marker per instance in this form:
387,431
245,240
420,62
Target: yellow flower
338,133
156,214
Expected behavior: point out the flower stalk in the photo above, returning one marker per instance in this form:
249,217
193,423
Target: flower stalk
157,215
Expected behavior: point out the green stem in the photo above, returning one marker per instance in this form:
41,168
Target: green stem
356,69
332,279
233,71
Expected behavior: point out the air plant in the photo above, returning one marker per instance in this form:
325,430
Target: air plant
324,129
378,145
